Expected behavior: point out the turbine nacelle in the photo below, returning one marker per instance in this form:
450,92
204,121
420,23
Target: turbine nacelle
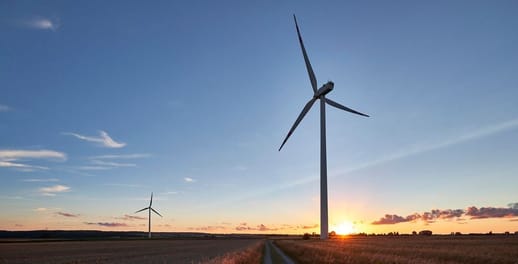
325,89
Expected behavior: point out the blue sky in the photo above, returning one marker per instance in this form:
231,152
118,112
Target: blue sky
207,91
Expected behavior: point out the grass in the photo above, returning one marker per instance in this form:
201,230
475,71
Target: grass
405,249
252,254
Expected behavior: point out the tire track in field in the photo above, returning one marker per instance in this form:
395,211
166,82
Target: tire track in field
274,255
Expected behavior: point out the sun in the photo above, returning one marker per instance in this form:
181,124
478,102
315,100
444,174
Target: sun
345,228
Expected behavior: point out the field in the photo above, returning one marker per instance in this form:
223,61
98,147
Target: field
133,251
405,249
355,249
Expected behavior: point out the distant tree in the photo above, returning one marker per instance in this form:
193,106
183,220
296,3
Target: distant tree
332,234
305,236
458,233
490,233
506,233
425,233
414,233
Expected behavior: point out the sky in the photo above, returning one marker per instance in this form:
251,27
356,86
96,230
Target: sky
102,103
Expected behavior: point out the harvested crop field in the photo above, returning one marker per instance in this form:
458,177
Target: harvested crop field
124,251
405,249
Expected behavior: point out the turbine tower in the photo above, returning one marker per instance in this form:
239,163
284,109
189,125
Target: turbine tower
149,208
320,94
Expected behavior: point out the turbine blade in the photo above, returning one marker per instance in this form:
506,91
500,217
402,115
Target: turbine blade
151,201
155,212
301,116
339,106
141,210
312,77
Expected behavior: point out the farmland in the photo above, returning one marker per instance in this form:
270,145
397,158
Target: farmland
405,249
351,249
132,251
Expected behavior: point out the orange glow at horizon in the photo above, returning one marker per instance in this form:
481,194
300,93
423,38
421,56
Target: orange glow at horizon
345,228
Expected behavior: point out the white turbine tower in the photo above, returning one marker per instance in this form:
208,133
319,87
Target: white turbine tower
319,94
149,208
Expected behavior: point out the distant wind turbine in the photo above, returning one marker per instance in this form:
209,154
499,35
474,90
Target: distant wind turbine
319,94
149,208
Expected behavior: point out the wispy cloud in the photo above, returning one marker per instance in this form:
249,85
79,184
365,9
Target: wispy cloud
122,156
187,179
21,166
9,158
449,214
108,162
4,108
125,185
93,168
131,218
426,147
420,148
41,180
309,227
107,224
42,23
45,209
8,197
113,164
261,227
14,154
67,214
103,139
52,190
102,165
208,228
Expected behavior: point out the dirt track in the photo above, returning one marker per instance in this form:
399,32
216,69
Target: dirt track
123,251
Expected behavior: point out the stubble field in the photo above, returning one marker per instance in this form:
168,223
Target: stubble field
405,249
401,249
133,251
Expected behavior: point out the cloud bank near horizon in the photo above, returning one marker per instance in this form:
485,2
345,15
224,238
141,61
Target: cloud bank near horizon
471,212
107,224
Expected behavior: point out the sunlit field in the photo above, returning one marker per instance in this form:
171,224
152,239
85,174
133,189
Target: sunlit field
134,251
404,249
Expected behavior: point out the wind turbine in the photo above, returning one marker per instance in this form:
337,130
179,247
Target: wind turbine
320,94
149,208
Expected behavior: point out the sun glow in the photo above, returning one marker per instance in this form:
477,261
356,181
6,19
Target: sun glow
345,228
